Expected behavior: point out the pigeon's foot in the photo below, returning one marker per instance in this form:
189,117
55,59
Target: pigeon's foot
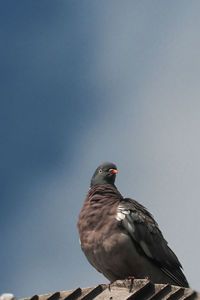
131,278
109,285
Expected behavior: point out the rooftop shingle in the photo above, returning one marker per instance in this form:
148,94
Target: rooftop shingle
142,289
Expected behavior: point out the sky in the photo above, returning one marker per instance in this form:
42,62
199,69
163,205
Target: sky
83,82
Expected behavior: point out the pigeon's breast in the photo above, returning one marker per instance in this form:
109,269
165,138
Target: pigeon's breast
97,221
103,241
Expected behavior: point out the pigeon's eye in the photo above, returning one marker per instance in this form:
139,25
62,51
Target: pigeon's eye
100,170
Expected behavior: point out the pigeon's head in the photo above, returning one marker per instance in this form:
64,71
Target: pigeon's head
104,174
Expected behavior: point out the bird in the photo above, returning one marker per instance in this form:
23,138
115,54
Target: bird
120,238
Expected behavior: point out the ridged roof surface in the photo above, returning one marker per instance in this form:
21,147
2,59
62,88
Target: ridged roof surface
139,289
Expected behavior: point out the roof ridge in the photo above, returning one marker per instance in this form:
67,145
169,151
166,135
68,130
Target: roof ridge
140,289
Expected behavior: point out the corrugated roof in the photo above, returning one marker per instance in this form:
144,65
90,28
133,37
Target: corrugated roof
139,289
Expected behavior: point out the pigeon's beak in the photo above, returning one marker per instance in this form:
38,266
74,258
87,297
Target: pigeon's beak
113,171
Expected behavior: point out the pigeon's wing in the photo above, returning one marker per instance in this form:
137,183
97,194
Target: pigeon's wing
143,229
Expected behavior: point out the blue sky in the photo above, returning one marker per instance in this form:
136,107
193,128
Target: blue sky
84,82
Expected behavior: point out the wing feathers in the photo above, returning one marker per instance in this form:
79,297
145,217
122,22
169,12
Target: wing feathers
142,227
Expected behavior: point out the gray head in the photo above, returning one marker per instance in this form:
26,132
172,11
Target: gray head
104,174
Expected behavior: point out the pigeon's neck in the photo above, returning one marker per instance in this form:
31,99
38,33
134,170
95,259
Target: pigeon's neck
104,192
101,181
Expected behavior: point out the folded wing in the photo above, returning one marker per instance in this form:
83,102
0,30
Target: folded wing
144,231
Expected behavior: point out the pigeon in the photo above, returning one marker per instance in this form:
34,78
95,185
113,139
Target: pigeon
120,238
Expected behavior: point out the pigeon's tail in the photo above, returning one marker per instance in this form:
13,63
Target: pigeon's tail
177,276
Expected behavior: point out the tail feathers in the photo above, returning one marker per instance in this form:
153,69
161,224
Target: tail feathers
178,276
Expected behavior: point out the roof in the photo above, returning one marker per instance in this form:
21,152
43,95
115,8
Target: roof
141,289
